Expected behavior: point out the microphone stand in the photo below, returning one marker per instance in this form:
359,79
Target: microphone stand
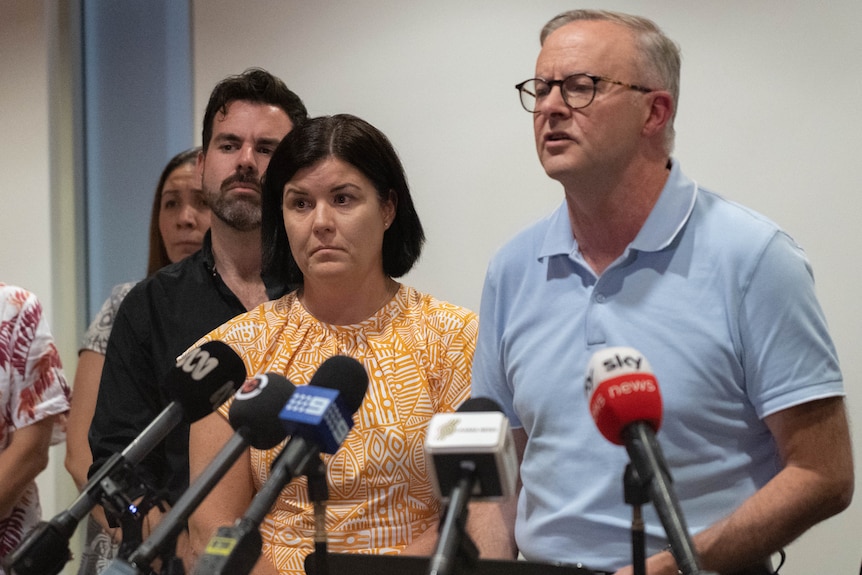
234,550
318,492
116,485
643,447
454,542
118,500
635,495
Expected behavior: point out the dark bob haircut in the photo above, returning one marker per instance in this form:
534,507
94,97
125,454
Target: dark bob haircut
254,85
358,143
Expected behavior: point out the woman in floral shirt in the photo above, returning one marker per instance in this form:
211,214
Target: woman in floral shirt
34,398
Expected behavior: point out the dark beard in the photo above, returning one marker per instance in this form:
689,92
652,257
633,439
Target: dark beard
243,215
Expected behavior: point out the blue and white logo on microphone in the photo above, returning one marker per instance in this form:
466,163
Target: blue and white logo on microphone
315,413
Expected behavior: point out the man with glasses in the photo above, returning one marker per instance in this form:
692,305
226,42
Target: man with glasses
718,299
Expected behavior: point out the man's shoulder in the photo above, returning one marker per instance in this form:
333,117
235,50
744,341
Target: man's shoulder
528,241
189,273
178,292
718,215
733,211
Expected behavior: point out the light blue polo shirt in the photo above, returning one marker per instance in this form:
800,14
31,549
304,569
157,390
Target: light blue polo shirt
722,304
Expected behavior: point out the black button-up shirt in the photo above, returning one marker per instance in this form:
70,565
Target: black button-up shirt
158,320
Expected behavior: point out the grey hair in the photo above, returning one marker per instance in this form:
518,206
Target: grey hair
659,58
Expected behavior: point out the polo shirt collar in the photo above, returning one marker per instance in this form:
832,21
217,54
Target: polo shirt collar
666,220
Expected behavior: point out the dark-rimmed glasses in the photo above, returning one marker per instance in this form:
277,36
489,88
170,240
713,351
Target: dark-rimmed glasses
578,90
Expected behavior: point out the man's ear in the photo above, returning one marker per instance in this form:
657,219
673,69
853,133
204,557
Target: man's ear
661,112
199,166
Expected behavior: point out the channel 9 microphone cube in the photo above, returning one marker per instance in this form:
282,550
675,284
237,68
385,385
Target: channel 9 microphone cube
316,413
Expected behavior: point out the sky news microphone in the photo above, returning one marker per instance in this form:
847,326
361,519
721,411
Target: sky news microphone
317,417
254,417
471,454
201,381
625,403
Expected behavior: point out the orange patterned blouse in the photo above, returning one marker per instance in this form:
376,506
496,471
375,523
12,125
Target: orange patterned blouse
418,353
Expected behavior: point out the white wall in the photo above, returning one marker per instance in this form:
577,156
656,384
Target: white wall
25,252
37,217
26,249
770,116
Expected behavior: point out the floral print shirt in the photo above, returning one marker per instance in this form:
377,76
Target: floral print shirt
32,387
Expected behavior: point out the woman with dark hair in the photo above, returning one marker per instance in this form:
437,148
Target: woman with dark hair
180,216
352,141
179,220
339,223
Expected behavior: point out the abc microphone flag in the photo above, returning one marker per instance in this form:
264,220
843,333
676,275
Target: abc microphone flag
201,380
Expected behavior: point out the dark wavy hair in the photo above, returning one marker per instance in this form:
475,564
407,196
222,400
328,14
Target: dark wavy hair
253,85
158,257
358,143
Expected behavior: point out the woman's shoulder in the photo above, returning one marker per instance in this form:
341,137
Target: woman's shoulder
266,317
433,308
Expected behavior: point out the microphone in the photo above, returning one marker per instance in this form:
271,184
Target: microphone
476,436
625,403
318,417
622,389
201,381
471,454
254,416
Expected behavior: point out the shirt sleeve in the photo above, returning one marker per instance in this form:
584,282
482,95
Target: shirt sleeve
96,336
38,387
789,357
458,347
129,397
489,376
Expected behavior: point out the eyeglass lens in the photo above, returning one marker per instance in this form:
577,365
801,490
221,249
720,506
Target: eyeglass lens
578,91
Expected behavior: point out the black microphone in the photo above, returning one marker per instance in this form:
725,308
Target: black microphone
626,405
201,381
318,417
254,416
471,454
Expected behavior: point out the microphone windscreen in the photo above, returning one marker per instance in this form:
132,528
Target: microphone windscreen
256,407
622,389
347,376
480,404
204,378
322,411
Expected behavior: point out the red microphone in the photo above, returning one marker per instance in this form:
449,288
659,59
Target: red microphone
621,389
625,403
